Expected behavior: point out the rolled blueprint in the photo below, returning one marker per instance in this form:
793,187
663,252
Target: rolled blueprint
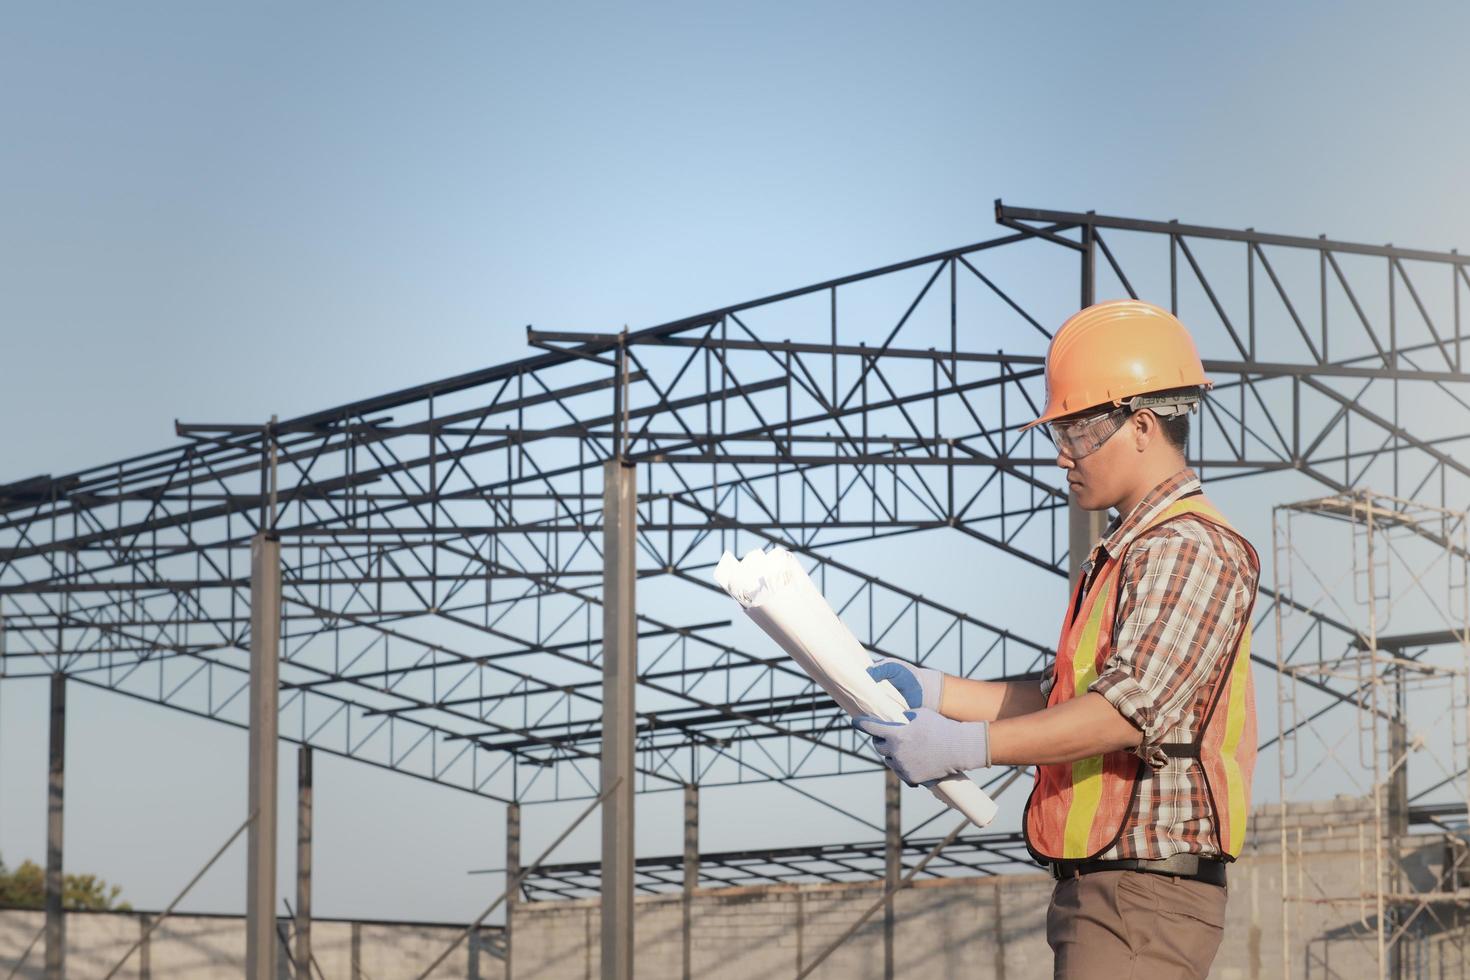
776,592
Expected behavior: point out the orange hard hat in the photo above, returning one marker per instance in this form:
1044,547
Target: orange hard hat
1113,351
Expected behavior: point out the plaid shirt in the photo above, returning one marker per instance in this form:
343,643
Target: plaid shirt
1186,589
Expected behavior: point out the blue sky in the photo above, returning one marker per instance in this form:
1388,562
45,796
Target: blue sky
219,213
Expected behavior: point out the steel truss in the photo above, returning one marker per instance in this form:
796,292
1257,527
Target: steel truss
987,853
442,575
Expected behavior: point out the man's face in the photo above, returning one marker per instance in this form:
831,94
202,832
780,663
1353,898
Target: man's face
1098,479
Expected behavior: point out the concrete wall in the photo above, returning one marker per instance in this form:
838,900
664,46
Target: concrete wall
982,927
996,927
213,948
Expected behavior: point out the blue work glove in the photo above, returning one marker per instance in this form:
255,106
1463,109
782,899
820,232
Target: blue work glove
921,687
930,746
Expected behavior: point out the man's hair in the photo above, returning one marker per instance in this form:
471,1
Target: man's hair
1177,431
1176,427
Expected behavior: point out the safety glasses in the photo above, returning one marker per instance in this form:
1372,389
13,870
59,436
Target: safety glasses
1076,438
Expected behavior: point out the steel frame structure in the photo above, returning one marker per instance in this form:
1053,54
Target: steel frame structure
984,853
442,571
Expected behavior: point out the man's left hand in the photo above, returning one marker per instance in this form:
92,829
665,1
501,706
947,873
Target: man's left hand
930,746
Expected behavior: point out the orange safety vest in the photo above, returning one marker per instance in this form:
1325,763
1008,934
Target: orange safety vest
1079,810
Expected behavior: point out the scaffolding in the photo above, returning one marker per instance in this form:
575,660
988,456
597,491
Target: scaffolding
1349,569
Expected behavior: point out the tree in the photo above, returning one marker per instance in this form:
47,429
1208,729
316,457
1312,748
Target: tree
25,888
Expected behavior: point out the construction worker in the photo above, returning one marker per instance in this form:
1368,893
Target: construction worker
1143,730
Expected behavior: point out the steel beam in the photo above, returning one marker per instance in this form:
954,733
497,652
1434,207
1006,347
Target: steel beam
260,873
55,813
619,674
303,861
1006,215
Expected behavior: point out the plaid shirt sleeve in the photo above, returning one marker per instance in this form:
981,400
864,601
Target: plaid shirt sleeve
1175,610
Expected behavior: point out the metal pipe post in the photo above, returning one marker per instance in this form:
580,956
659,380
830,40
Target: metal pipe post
303,861
260,872
892,864
55,799
619,672
691,870
512,873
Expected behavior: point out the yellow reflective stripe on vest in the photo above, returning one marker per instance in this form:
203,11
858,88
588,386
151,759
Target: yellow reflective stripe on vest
1086,773
1234,726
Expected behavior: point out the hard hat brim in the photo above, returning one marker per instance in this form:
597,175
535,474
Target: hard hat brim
1055,411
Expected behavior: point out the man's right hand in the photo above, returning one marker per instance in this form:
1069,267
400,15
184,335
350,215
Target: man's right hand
921,687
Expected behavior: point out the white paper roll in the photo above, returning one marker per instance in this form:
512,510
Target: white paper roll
776,592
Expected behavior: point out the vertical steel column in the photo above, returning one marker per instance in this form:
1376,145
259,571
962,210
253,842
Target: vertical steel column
619,672
1084,527
260,871
303,861
691,870
55,812
512,886
1397,824
893,862
145,948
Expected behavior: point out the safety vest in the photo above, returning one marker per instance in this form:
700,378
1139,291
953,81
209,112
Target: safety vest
1079,810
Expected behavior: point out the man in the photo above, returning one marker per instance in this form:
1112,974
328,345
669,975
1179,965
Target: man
1143,730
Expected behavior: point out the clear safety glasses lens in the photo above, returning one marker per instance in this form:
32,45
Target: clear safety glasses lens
1076,438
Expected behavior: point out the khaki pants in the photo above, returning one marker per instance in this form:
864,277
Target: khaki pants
1120,925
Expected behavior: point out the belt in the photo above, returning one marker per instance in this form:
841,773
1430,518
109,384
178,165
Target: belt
1190,866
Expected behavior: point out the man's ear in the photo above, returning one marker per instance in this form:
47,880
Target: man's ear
1145,429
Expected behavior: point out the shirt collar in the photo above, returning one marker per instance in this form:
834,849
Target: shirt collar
1124,529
